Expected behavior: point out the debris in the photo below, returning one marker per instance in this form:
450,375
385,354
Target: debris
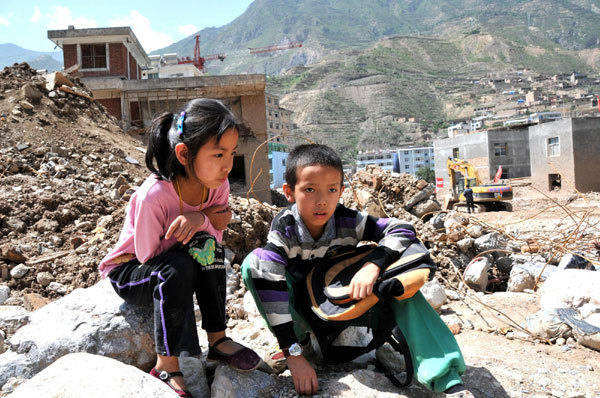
476,273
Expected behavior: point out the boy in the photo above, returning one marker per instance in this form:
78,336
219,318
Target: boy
308,230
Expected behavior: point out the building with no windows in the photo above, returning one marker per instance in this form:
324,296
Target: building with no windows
111,60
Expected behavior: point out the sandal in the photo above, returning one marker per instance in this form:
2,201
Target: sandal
243,359
165,376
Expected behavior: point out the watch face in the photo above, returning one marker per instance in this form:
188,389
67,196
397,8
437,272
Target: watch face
295,349
164,375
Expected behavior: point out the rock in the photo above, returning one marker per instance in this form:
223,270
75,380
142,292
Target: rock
93,320
426,207
45,225
57,288
421,184
590,341
466,244
570,261
26,105
119,182
16,224
418,197
475,231
115,166
547,325
454,222
34,301
4,293
231,384
519,280
536,267
83,374
194,376
354,336
12,317
434,294
13,253
392,359
19,271
570,288
44,278
476,273
490,241
438,220
250,306
131,160
11,384
31,93
367,383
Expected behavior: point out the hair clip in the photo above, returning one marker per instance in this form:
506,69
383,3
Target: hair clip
180,123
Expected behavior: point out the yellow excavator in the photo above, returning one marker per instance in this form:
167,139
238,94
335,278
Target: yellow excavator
486,197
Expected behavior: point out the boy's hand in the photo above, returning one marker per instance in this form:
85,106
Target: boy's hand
304,376
185,226
219,216
361,284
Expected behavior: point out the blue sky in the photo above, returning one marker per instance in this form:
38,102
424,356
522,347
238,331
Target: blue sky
155,23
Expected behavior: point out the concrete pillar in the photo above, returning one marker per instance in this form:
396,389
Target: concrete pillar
125,112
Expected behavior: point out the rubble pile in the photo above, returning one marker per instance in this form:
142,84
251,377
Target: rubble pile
66,173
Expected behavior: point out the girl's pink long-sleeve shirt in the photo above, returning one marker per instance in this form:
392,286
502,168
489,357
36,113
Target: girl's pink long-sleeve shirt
150,212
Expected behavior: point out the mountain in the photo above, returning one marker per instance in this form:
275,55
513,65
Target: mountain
325,25
11,53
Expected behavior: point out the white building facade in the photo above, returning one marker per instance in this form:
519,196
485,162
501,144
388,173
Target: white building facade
413,158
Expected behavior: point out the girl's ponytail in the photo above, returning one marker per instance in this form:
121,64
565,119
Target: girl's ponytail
159,149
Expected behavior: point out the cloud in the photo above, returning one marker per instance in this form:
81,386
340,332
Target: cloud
148,37
37,14
187,29
61,17
5,21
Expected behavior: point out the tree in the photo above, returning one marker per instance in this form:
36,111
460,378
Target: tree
426,174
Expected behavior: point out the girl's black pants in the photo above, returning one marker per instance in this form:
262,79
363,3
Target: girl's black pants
168,282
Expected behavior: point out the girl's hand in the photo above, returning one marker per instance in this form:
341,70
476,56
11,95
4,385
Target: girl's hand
303,375
362,283
185,226
219,216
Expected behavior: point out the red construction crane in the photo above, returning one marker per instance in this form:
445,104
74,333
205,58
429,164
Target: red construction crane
199,61
261,50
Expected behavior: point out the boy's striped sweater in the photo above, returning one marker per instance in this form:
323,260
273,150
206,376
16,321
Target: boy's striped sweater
290,248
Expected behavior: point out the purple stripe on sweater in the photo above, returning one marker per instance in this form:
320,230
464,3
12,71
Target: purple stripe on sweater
289,231
269,296
267,255
406,232
382,224
346,222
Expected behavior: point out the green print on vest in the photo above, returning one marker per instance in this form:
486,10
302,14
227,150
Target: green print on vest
205,255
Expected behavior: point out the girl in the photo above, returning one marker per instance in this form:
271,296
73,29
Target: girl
169,247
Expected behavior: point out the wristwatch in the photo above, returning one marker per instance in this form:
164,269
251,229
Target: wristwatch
294,350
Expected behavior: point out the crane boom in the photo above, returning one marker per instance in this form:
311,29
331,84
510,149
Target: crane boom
198,60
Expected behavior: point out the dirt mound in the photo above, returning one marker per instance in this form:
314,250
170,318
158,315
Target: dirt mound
66,172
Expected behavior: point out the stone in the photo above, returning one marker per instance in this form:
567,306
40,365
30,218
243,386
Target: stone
131,160
31,93
92,376
19,271
490,241
26,105
476,273
570,288
519,280
569,261
34,301
354,336
434,294
547,325
194,376
119,182
392,359
12,317
438,220
16,224
56,287
466,244
367,383
250,306
13,253
426,207
44,278
418,197
52,94
454,222
475,231
4,293
421,184
93,320
115,166
11,384
228,383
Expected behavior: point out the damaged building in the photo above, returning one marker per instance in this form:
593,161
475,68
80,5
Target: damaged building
110,62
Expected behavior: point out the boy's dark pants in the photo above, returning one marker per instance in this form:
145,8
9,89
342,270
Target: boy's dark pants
168,282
